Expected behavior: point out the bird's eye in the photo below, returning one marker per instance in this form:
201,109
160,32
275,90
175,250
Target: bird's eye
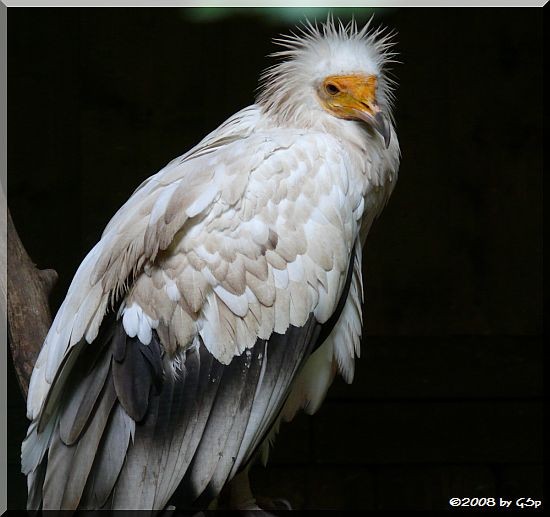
332,89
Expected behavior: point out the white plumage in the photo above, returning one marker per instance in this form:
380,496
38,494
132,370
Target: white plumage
238,265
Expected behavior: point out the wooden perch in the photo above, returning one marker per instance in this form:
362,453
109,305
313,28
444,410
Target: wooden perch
28,311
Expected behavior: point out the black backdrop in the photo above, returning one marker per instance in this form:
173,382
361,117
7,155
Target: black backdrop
447,397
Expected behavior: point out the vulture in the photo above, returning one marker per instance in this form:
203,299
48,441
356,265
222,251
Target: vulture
225,295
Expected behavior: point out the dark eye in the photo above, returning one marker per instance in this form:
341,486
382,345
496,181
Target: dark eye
332,89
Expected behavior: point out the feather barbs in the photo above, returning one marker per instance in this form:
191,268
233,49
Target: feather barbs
287,88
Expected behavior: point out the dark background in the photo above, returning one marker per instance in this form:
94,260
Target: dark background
447,398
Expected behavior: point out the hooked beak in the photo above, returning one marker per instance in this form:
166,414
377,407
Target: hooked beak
354,97
378,122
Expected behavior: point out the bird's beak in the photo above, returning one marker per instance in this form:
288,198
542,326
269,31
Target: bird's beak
362,102
354,97
377,121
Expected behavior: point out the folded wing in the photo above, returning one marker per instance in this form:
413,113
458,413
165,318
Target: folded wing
184,328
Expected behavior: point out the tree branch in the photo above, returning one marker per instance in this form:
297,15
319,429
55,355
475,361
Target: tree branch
28,311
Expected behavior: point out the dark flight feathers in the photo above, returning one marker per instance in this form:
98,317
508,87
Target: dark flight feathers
131,434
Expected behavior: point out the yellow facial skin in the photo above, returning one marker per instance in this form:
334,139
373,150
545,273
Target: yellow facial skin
353,97
349,96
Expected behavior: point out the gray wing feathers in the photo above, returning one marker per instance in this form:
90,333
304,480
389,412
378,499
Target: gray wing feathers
35,481
226,423
184,407
240,422
134,489
35,445
109,460
70,465
214,435
168,435
81,402
137,371
56,392
273,357
199,428
284,356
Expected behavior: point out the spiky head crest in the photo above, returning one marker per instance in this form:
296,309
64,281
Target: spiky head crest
287,89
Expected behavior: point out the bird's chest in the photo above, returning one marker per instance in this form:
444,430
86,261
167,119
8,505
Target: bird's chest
318,182
305,199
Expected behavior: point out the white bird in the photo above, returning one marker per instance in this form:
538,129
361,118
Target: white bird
224,295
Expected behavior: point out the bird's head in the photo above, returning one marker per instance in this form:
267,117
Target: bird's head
335,70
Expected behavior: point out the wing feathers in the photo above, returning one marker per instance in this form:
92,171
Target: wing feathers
213,448
197,429
109,460
133,489
69,465
254,365
82,400
180,413
137,374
